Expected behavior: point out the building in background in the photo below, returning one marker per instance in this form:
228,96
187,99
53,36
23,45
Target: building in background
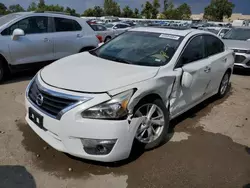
235,16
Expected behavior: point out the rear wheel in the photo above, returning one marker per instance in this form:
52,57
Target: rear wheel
2,71
107,39
154,128
224,85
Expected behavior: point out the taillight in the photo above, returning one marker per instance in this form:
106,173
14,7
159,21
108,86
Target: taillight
99,38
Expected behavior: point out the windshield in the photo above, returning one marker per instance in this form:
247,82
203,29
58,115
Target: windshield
109,25
140,48
215,31
238,34
8,18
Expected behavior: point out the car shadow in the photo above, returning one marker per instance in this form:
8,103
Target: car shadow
242,72
16,176
246,186
19,77
247,150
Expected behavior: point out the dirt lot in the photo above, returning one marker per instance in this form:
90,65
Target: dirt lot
208,147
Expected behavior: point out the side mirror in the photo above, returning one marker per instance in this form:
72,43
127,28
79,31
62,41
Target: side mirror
114,27
100,44
222,35
186,80
17,33
248,39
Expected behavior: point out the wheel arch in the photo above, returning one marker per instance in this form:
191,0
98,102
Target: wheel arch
147,97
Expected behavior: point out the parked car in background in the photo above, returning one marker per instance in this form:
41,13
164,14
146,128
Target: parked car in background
30,39
219,31
102,31
118,27
238,39
96,104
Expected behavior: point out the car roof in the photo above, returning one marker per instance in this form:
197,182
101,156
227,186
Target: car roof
183,33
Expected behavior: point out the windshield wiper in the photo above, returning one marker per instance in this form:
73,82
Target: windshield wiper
117,59
121,60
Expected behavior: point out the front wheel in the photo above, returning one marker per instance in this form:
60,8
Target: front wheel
224,85
153,130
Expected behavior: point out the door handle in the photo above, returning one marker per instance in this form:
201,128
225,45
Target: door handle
78,35
207,69
46,40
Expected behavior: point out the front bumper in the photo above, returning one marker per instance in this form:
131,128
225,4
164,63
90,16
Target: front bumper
67,133
242,61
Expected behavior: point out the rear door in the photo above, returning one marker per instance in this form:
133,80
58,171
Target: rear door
193,61
217,56
68,37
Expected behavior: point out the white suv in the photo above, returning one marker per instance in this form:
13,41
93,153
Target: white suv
31,39
95,104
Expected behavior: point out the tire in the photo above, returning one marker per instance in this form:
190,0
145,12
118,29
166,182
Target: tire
224,85
2,72
107,39
162,129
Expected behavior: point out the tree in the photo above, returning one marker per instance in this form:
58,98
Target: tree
3,9
98,11
218,9
147,10
89,12
72,12
156,6
32,7
136,13
54,8
111,8
127,12
184,11
16,8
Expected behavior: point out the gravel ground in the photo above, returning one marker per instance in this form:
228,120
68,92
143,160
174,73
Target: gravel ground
208,146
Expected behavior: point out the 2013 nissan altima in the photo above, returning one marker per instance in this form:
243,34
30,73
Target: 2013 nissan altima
95,105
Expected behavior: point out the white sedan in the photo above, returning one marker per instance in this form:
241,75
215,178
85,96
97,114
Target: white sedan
102,31
96,105
118,27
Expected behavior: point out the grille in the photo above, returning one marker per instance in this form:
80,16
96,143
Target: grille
50,104
239,58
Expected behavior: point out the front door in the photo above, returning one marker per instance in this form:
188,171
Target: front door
36,45
194,62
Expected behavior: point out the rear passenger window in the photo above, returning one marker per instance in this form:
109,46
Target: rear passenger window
64,25
213,45
194,50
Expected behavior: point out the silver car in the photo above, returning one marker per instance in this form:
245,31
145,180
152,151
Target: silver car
30,39
238,39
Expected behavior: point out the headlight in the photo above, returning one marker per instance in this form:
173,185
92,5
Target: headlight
116,108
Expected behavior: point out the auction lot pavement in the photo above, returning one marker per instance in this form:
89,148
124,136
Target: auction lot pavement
208,147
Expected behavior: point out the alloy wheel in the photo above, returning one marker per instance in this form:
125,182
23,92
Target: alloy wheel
224,84
153,124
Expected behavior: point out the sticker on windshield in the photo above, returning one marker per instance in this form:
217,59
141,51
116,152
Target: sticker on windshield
174,37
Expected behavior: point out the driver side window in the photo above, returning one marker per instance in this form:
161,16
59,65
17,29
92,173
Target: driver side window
194,50
31,25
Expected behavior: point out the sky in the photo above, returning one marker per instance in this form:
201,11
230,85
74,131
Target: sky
197,6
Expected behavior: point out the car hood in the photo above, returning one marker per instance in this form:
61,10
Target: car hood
237,44
87,73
